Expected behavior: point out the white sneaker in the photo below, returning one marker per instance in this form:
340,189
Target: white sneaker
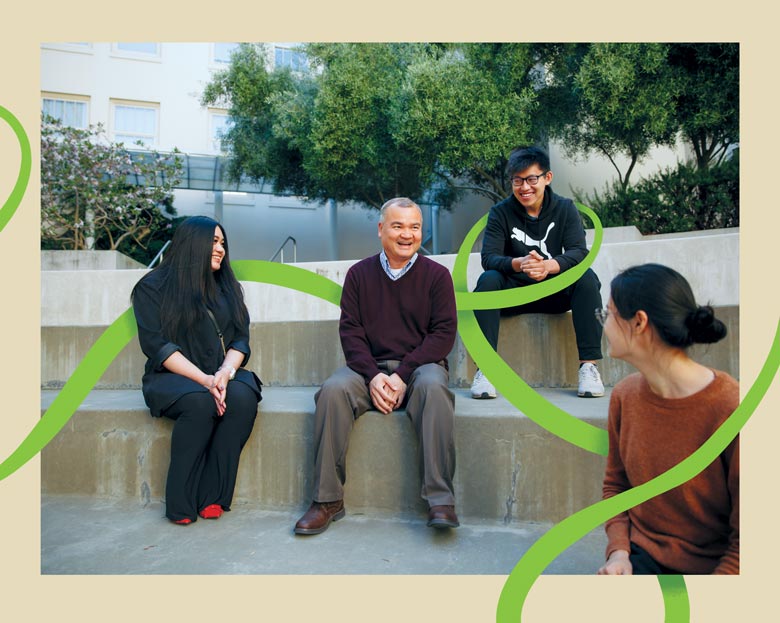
481,387
590,385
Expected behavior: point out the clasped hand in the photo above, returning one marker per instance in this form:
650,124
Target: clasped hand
387,392
533,265
217,385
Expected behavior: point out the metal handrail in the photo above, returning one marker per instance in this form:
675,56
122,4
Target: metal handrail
159,254
280,250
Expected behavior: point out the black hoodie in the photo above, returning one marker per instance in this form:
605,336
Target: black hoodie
556,234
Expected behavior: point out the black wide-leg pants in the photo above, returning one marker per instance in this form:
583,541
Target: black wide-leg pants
205,449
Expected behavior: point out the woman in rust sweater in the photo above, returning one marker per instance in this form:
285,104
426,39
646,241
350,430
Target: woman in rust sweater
657,418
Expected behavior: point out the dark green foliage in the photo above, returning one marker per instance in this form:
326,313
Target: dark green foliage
673,200
376,120
707,101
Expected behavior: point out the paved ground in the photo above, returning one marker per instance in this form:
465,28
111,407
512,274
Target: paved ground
84,535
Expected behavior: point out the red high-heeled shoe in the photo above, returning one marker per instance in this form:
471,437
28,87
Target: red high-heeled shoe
212,511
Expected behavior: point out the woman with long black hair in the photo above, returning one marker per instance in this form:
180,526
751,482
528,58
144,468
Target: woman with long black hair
193,326
660,416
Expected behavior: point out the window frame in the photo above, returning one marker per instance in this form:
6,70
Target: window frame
154,106
72,98
156,57
213,113
218,62
289,49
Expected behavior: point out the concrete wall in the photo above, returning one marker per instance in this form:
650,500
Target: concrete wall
97,297
596,172
541,349
87,260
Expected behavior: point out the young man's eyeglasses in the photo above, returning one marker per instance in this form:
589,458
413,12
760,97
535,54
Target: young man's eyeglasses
532,180
601,315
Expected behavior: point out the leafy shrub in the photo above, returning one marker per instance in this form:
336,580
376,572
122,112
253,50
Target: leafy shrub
673,200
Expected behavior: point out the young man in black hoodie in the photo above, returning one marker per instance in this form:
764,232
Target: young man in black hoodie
533,235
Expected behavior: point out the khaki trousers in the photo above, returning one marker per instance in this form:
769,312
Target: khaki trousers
430,406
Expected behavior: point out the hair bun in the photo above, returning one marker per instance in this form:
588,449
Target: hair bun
704,327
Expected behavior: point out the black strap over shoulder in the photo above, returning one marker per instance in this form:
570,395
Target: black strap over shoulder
218,330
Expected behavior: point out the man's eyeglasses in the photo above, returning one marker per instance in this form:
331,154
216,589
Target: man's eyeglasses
532,180
601,315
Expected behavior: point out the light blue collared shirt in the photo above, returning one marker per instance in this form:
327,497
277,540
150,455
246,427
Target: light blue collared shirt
395,274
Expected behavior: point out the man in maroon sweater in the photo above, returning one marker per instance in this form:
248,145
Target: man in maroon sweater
398,324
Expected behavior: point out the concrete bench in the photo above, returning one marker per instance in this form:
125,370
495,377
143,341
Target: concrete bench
508,468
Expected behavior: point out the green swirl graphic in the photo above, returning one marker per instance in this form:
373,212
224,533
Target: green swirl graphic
119,334
88,372
676,605
517,296
571,529
547,415
15,198
579,433
511,386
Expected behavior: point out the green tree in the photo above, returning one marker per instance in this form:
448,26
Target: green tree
707,100
96,195
354,153
373,121
464,111
260,104
626,94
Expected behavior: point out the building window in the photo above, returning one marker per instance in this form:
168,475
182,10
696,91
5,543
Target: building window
222,51
289,56
134,121
146,51
68,110
219,124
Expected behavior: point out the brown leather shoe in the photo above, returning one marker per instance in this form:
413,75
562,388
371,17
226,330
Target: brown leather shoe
318,517
442,517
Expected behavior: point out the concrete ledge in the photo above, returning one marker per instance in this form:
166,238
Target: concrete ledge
541,348
87,260
97,297
508,467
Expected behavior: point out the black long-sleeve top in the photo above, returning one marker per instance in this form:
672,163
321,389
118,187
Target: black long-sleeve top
201,346
556,234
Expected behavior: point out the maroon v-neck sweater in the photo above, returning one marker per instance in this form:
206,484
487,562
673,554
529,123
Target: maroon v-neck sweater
412,319
694,528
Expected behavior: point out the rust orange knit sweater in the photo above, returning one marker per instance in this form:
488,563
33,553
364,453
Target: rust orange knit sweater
693,528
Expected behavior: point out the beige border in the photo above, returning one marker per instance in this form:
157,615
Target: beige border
471,599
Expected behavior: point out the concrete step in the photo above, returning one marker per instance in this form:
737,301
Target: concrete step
540,347
85,535
509,469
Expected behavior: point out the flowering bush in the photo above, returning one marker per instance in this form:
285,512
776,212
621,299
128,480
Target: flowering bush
96,194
